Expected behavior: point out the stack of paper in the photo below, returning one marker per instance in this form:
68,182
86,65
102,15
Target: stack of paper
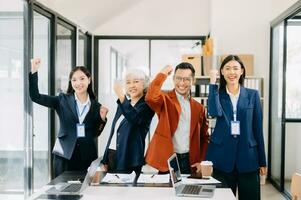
153,178
119,178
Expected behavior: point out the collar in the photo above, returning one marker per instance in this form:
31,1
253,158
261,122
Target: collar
233,95
181,97
77,100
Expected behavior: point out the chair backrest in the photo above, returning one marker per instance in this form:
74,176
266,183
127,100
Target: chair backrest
296,186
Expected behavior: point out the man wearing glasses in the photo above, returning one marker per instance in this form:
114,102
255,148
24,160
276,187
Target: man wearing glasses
182,124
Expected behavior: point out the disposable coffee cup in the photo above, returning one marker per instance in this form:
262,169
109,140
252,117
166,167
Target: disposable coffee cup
206,168
96,177
262,179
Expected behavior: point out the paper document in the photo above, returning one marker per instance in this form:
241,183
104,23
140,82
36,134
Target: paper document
153,178
211,180
119,178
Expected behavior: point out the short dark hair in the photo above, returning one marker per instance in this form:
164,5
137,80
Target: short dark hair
222,81
70,89
186,65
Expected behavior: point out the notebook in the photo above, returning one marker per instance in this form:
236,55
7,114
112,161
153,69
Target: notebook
76,188
187,190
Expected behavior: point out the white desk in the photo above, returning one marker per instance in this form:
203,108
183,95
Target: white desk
145,193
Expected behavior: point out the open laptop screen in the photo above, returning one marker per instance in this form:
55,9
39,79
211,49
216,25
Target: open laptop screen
174,168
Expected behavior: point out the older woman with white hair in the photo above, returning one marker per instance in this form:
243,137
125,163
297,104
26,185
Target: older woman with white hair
124,151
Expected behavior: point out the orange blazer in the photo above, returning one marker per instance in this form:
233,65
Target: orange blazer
168,109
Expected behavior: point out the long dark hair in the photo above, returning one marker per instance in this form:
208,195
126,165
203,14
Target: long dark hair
70,89
222,81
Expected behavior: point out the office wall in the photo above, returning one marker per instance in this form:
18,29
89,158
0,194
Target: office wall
156,17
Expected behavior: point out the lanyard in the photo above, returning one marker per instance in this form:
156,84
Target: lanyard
234,114
234,107
78,113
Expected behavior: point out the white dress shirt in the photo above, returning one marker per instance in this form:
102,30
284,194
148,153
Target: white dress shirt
82,108
182,134
234,100
114,137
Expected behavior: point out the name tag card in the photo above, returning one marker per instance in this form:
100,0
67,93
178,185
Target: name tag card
235,128
80,130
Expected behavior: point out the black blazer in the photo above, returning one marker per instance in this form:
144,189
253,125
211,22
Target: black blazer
131,134
65,107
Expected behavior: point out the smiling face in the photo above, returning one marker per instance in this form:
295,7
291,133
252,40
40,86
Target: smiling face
183,80
80,82
134,87
232,72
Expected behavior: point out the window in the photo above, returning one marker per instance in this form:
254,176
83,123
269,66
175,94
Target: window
41,41
12,100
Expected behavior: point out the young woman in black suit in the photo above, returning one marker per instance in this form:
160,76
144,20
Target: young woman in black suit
81,117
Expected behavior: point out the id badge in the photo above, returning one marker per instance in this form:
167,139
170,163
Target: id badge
235,128
80,130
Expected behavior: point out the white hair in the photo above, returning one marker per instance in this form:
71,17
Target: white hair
139,74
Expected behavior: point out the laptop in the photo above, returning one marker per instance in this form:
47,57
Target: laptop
186,190
76,188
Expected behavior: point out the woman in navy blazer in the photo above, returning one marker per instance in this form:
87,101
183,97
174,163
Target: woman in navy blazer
236,145
81,117
124,152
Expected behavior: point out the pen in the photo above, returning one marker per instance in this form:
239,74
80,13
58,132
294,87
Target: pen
117,176
152,175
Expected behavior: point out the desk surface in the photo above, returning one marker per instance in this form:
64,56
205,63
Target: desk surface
138,193
127,192
147,193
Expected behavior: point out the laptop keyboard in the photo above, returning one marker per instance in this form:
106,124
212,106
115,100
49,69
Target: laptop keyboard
72,188
58,197
191,189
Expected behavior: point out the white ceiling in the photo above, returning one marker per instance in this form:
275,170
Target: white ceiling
136,17
89,14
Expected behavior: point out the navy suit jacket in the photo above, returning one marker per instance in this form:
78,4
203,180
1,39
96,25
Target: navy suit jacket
244,153
65,106
131,133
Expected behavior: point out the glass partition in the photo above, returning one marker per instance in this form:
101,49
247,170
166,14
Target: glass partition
63,57
293,69
292,101
41,41
12,98
276,103
82,49
285,106
63,61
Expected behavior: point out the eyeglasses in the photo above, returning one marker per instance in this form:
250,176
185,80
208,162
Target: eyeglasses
184,79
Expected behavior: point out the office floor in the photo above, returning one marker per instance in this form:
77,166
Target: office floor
268,193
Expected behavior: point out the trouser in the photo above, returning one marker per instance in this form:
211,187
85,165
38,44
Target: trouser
76,163
184,163
112,165
248,184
